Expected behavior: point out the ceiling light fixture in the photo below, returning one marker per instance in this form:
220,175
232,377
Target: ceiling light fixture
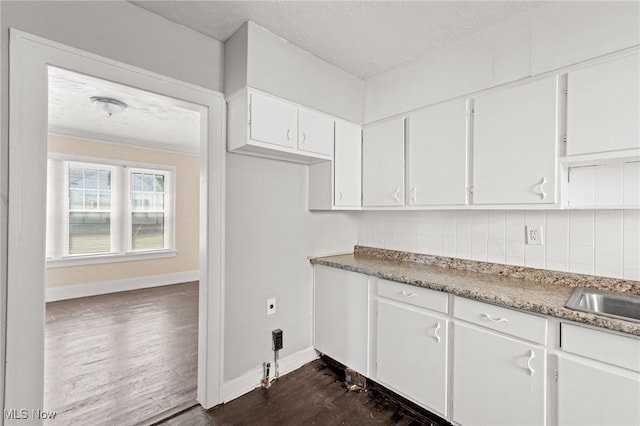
108,106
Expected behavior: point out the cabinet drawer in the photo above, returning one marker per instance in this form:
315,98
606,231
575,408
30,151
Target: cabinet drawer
602,346
509,321
413,295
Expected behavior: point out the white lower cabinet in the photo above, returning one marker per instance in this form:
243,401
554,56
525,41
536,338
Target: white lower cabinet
341,316
497,380
482,364
589,393
412,354
598,378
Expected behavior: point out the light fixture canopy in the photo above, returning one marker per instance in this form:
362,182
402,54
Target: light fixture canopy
108,106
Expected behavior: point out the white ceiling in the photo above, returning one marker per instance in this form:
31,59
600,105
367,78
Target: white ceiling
150,120
363,38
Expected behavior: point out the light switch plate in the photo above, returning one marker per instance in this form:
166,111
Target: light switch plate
534,234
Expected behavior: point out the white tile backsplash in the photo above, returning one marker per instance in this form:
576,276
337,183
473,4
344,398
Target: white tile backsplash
600,242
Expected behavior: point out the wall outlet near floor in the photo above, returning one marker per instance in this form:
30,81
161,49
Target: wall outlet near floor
534,234
271,306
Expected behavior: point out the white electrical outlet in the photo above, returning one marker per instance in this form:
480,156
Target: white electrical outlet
271,306
534,234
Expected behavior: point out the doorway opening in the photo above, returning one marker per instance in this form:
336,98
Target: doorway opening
122,220
30,59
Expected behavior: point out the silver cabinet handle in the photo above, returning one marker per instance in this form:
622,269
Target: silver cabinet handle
542,194
340,195
531,357
396,195
304,137
490,318
435,332
288,132
407,294
414,194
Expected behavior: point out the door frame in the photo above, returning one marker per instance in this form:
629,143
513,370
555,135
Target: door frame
29,57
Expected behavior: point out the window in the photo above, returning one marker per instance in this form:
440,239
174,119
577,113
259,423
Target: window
89,210
147,210
98,210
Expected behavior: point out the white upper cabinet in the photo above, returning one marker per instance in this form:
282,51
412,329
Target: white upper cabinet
315,132
348,165
383,164
514,145
267,126
272,120
437,155
603,107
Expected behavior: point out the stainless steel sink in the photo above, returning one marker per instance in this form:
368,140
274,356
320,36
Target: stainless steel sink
614,305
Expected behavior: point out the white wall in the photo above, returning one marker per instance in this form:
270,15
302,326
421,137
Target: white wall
281,68
601,242
269,235
544,38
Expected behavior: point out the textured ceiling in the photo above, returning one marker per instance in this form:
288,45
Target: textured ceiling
149,120
363,38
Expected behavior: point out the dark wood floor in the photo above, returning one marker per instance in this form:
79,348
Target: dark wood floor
312,395
121,358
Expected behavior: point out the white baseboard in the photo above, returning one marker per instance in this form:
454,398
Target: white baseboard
54,294
251,379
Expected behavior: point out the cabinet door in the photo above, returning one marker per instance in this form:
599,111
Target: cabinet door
341,316
412,354
437,155
514,145
383,164
497,380
272,121
592,394
603,107
315,132
348,164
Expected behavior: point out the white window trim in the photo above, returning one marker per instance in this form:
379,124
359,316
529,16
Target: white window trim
121,245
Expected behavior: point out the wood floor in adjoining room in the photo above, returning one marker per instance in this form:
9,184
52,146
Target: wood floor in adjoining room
122,358
314,394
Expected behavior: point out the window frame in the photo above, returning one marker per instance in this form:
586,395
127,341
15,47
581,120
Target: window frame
120,216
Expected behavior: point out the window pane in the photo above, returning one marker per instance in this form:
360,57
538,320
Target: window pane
75,177
159,202
89,233
136,182
104,181
75,199
90,179
147,231
159,183
105,200
147,182
90,199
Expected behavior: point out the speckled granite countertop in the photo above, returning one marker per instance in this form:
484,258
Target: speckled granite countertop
534,290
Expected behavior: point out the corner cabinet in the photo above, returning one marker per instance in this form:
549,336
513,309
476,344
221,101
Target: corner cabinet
437,156
336,185
515,139
341,316
383,164
264,125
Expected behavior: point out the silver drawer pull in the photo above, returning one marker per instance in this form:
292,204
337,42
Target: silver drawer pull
487,316
407,294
